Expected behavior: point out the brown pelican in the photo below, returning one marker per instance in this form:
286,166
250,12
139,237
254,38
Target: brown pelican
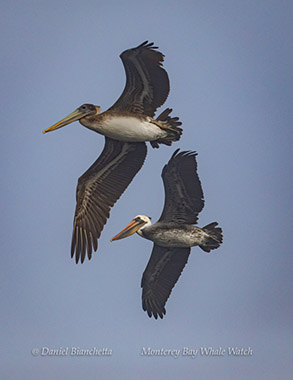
173,234
127,125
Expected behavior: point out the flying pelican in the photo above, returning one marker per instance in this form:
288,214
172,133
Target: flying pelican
127,125
173,234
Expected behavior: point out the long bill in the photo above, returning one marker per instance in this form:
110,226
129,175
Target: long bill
74,116
129,230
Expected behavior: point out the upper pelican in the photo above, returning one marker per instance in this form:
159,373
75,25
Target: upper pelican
127,125
173,234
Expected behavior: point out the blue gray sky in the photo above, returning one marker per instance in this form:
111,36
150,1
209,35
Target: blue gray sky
230,68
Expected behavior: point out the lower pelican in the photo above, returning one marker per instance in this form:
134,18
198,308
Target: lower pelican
174,233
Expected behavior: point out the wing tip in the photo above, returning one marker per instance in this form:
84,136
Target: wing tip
185,153
153,308
81,251
146,45
177,155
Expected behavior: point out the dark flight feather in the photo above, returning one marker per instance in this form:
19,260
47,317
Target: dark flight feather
99,188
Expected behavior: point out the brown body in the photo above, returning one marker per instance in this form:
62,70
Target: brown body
127,125
174,233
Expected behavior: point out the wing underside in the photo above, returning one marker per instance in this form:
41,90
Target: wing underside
99,188
161,274
147,83
183,192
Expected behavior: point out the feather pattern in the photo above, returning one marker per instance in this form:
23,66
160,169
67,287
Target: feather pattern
99,188
183,191
147,83
161,274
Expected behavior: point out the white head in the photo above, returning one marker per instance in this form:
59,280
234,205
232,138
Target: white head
136,225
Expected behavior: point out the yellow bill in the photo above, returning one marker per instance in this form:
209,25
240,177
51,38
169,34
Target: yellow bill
129,230
74,116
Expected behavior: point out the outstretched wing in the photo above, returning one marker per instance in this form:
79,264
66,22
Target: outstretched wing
161,274
147,83
99,188
183,191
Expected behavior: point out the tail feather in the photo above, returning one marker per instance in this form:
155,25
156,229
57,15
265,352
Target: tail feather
215,237
170,125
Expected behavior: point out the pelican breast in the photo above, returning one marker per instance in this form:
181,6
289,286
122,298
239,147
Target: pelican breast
174,235
126,128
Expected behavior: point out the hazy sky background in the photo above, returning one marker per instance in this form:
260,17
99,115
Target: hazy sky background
230,68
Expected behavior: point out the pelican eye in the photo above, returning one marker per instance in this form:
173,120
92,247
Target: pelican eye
137,219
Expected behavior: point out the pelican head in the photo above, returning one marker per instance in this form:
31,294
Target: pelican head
80,113
136,225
